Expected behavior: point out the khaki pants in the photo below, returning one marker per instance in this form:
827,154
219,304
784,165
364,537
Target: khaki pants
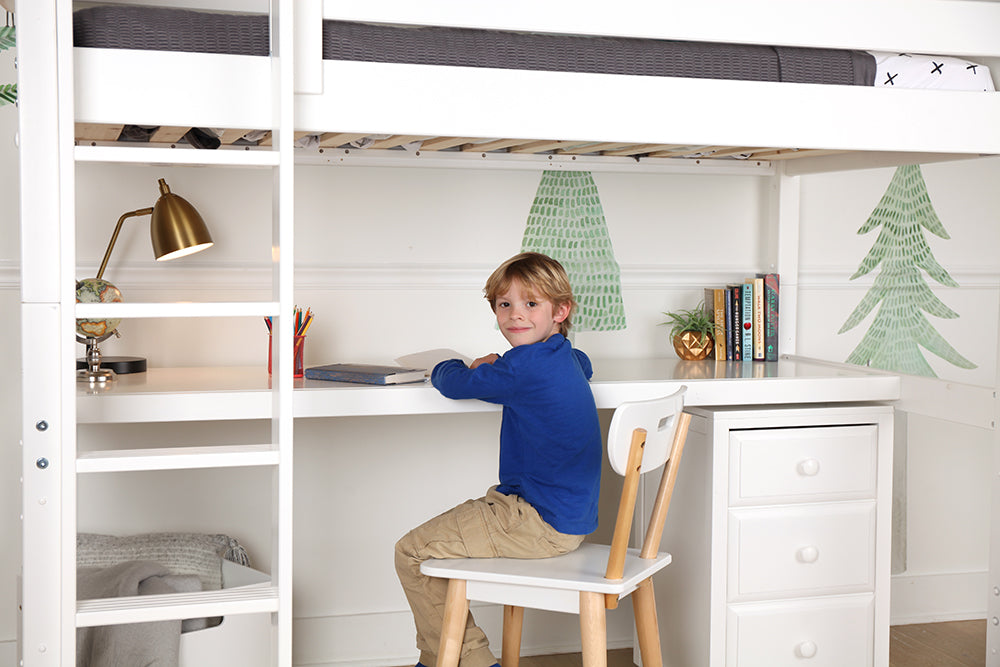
493,526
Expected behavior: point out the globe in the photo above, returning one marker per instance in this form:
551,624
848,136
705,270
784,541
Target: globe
95,290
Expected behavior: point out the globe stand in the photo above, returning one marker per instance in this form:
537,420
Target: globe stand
95,368
92,371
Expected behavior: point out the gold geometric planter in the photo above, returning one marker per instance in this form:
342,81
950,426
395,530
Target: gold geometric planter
692,346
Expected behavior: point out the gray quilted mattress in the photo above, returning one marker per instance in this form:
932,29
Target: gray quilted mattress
125,27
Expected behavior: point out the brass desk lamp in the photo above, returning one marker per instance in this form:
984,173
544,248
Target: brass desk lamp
176,230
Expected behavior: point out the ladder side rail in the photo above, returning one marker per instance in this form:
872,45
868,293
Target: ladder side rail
282,89
48,407
67,328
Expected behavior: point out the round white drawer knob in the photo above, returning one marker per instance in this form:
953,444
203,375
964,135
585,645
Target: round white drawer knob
808,554
806,649
808,467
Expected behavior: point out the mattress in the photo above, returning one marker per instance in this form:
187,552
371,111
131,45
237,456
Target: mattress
131,27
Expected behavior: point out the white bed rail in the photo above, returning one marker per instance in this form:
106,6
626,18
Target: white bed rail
477,102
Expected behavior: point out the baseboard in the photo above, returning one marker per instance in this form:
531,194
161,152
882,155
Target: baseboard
933,598
387,638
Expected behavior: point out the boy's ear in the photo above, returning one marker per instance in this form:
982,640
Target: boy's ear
561,312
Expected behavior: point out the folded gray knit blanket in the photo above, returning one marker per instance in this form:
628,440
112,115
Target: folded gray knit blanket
180,553
154,644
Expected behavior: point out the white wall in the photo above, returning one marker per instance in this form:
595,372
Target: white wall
392,261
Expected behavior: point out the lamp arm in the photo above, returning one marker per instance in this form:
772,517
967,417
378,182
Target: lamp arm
114,236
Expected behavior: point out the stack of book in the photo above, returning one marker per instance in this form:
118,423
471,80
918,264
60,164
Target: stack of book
746,319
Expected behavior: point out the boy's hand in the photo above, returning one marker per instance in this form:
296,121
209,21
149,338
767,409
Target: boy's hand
488,359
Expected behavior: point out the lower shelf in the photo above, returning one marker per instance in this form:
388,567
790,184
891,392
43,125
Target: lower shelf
248,593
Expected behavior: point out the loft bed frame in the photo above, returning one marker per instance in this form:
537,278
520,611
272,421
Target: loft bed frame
640,117
497,116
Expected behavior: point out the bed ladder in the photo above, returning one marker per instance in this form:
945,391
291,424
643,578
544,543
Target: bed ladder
50,612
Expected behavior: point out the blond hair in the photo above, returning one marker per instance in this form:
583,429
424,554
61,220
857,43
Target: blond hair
540,276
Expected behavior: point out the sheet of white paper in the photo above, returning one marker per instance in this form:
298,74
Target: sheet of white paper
430,358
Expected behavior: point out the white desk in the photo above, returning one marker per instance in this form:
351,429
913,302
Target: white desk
194,394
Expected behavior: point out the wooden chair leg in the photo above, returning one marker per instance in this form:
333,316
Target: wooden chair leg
647,628
456,611
513,621
593,630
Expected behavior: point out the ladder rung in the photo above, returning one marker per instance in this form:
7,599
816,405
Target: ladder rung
203,309
178,458
145,608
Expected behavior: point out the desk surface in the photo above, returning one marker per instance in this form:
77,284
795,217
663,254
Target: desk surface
195,394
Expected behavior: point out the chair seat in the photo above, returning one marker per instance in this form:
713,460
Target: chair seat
579,570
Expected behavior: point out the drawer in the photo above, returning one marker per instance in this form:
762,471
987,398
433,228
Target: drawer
793,464
801,550
833,632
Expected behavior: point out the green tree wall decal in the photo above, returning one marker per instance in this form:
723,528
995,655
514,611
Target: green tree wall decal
566,222
900,327
8,39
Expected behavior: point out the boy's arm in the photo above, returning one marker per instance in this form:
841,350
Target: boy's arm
491,379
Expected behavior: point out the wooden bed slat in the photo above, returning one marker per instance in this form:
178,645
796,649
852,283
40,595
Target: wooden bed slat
397,140
232,135
441,143
495,145
594,147
679,151
168,134
637,149
95,132
542,146
334,139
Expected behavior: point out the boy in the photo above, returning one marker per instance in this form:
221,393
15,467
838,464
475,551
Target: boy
550,449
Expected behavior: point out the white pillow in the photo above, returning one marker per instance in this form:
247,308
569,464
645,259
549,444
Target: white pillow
913,70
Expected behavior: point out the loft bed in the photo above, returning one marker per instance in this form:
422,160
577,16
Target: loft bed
605,115
599,87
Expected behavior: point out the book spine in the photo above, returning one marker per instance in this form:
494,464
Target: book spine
708,304
730,347
746,319
771,291
736,321
758,319
719,301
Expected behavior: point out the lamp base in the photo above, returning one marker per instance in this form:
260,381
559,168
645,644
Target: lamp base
120,365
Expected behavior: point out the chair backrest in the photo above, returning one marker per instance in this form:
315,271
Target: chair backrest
643,436
658,417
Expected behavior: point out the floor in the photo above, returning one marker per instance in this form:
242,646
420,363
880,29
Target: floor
952,644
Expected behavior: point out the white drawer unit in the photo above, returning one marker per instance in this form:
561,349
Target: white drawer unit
780,533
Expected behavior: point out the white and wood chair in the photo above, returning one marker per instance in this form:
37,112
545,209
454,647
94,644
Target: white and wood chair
643,435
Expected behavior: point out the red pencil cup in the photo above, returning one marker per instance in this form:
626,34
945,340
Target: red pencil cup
299,344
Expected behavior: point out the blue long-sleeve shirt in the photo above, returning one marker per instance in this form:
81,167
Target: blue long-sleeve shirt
550,438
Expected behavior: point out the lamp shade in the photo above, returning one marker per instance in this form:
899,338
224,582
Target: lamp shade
176,229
